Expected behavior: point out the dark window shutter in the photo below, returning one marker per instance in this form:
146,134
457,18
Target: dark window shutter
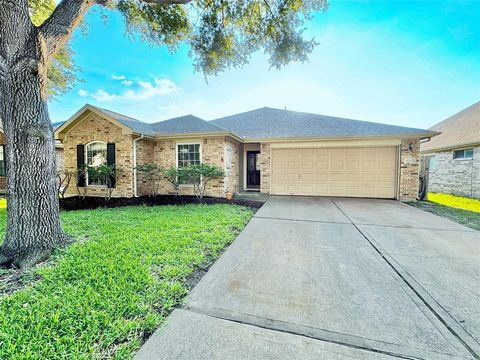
111,161
80,165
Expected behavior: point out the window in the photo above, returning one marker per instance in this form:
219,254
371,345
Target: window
2,161
96,156
187,154
463,154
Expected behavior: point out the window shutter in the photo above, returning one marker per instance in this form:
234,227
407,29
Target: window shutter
111,161
80,165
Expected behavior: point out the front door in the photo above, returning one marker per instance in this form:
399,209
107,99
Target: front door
253,170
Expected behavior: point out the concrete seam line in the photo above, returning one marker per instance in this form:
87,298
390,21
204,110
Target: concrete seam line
299,220
299,333
417,293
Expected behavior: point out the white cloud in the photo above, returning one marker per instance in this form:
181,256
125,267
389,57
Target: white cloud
145,90
83,93
119,77
103,96
160,87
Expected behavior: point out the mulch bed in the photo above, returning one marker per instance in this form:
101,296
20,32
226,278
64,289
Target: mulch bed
88,203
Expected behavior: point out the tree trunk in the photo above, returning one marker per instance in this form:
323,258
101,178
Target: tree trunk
33,223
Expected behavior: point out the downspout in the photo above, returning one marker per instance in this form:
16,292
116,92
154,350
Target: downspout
135,193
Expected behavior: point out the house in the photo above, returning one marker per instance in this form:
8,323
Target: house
453,158
3,168
268,150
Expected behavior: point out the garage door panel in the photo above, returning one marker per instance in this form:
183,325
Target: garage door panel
358,172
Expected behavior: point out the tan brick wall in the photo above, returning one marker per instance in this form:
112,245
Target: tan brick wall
232,166
212,152
265,167
409,169
60,159
145,155
95,128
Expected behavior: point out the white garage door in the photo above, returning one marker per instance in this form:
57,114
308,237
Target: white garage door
355,172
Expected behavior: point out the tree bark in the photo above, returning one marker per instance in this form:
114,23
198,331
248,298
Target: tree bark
33,223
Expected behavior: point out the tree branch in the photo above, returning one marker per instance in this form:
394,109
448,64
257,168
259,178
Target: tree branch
167,2
58,28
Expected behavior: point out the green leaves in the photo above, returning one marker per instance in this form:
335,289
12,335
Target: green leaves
101,297
62,72
225,33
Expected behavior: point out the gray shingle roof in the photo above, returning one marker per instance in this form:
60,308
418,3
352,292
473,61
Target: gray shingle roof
188,124
134,124
184,125
276,123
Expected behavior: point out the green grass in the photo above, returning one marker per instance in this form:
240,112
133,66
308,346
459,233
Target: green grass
455,201
464,217
100,297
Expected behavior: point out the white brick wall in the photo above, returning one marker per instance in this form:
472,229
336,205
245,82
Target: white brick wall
455,176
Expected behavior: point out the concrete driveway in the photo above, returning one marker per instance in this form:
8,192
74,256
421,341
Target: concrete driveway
313,278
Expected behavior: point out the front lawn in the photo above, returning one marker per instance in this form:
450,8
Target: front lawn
103,295
455,201
465,211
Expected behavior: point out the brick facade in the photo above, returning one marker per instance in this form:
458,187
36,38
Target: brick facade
95,128
145,154
232,166
265,166
218,151
409,169
459,177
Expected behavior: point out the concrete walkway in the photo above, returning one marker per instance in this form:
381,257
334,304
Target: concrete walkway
313,278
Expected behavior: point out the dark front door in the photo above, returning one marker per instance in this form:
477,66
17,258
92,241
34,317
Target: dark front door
253,170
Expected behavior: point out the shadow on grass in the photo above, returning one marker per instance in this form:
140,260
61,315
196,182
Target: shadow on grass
464,217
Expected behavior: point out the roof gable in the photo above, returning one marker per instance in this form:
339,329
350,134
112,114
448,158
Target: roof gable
188,124
463,128
81,114
276,123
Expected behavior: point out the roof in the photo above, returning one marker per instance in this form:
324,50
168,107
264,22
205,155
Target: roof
264,123
185,124
268,123
459,130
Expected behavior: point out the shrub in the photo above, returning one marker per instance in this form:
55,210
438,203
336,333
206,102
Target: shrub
174,177
105,175
200,175
153,173
64,177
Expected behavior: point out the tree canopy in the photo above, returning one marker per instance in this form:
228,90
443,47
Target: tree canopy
62,72
220,33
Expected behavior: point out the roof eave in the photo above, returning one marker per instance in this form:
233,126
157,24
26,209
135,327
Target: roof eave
450,147
422,135
87,107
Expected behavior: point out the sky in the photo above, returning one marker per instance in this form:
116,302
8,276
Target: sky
408,63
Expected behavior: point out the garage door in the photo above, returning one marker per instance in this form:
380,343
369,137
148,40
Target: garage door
355,172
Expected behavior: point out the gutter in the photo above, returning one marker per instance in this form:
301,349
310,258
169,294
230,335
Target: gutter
135,192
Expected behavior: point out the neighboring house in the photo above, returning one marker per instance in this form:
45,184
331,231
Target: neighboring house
3,168
453,158
268,150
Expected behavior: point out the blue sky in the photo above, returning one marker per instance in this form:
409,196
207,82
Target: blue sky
410,63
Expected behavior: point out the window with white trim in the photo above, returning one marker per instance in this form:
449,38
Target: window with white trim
96,155
463,154
187,154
